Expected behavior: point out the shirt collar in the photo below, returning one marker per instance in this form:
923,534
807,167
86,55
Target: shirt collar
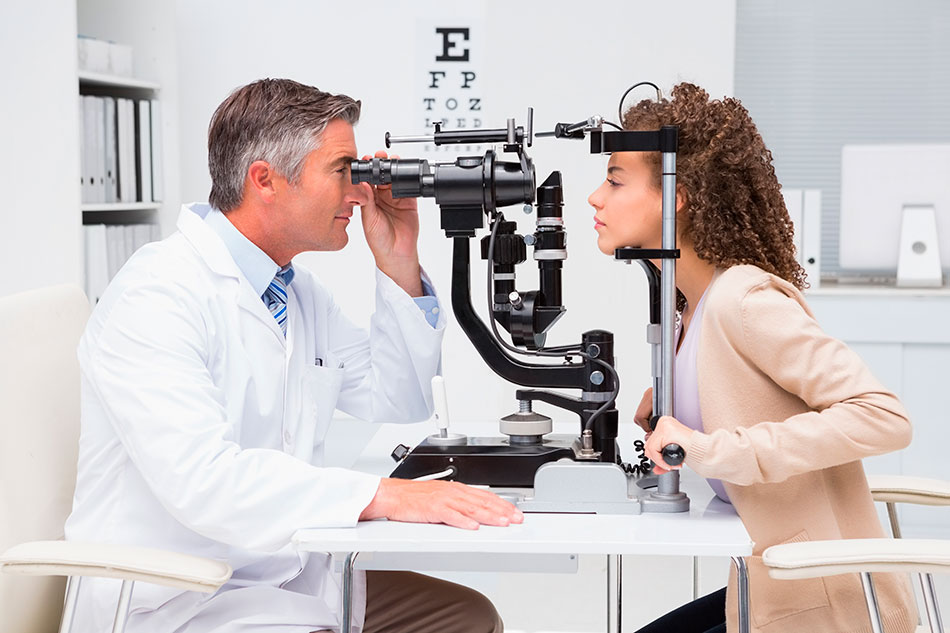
258,268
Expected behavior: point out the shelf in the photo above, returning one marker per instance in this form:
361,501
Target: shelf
100,79
120,206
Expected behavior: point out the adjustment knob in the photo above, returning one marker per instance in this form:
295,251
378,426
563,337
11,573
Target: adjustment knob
673,454
399,453
510,248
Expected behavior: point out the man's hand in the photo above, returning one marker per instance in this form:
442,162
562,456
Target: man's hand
446,502
668,430
391,227
645,410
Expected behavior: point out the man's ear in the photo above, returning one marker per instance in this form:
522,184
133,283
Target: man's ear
261,180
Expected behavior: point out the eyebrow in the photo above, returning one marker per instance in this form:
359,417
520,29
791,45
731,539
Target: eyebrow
614,168
343,160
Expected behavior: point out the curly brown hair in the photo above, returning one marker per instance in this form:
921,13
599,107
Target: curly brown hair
733,211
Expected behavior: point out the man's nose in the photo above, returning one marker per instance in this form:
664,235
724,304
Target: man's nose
358,194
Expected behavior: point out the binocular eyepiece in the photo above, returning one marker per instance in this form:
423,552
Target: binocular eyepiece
471,181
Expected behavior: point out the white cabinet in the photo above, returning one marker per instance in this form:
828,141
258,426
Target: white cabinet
903,336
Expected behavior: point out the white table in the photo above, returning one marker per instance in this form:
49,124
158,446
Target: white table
711,528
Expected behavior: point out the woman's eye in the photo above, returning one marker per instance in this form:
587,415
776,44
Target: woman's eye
613,183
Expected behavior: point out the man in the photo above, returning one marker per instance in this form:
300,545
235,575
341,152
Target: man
211,368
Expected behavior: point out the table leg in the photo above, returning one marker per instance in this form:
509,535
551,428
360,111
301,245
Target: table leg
743,581
695,577
347,595
614,587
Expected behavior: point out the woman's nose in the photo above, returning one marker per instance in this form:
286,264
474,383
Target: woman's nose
594,198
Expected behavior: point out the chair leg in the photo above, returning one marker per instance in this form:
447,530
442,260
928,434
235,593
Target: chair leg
122,609
892,517
930,601
69,606
871,597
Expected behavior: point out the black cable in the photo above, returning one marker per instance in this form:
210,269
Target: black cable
659,95
645,467
541,352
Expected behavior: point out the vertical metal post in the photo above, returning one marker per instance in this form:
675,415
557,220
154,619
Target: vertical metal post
668,284
667,497
69,605
347,594
122,609
743,582
892,517
614,586
930,601
870,596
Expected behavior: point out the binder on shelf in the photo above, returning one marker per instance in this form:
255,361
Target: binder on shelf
100,136
88,149
113,249
97,269
125,128
82,151
143,140
158,175
111,164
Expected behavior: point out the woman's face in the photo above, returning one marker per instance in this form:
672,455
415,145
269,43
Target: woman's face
628,205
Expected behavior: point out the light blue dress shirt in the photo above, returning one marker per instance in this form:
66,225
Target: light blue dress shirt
259,268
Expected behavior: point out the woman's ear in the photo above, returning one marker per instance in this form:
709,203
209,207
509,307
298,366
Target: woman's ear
681,198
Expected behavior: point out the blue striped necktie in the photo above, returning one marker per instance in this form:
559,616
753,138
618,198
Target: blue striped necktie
276,299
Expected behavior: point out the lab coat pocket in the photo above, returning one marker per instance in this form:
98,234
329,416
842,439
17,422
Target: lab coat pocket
320,390
772,599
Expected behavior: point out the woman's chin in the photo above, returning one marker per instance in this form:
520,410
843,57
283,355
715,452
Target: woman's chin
605,248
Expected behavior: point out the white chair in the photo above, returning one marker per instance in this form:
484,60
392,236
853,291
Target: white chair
921,556
39,437
814,559
894,489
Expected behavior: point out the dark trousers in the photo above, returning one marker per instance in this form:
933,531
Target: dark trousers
703,615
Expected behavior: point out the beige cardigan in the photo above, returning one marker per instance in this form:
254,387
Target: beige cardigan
789,412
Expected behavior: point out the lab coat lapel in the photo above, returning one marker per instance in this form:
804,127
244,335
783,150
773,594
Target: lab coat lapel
215,254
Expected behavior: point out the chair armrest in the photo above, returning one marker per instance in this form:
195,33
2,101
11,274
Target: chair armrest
904,489
813,559
158,567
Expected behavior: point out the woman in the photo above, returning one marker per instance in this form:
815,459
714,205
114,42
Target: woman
775,413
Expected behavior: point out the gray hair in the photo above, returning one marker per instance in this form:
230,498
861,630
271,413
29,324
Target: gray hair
275,120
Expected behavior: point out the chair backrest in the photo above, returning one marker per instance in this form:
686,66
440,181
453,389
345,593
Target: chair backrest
39,439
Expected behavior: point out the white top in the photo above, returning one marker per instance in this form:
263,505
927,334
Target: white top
686,383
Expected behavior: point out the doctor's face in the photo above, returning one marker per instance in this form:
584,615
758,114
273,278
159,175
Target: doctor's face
318,209
628,205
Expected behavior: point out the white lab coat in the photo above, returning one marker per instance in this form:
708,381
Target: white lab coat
203,427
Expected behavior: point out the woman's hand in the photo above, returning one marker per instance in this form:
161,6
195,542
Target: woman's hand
645,410
668,430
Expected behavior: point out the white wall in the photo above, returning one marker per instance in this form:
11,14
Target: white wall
40,222
543,54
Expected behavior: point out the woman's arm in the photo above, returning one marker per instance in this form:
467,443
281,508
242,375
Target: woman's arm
852,415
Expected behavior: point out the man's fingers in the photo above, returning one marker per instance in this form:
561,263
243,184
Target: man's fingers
455,518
